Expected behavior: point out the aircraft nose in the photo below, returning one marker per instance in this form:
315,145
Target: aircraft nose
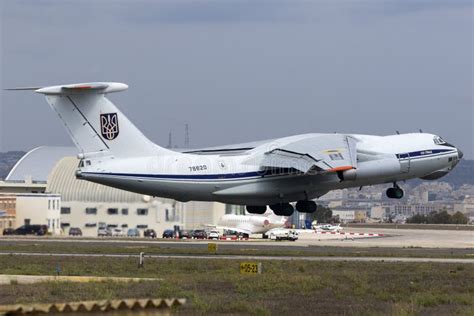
460,154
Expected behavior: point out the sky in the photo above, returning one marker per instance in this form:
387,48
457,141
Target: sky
238,71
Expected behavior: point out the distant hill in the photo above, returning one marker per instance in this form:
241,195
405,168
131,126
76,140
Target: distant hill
462,174
8,160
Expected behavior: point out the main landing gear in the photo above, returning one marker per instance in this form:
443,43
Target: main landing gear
256,209
281,209
306,206
394,193
284,209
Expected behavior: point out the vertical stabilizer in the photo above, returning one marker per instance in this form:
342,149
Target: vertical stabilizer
94,123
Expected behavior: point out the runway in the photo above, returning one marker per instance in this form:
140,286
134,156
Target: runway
392,238
424,238
240,257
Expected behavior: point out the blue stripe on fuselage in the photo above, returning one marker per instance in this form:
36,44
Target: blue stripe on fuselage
228,176
424,153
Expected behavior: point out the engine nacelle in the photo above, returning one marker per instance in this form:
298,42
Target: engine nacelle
372,169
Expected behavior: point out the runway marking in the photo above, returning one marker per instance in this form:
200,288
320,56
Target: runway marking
352,234
241,257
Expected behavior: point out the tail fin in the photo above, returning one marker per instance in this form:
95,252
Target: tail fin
94,122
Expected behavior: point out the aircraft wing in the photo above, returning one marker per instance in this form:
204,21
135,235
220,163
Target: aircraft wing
313,152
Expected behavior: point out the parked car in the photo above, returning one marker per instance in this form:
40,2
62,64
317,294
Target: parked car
168,233
199,234
118,232
38,230
75,231
104,232
133,232
213,234
8,231
184,234
150,233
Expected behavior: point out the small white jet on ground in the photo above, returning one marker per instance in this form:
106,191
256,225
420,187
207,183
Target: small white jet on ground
329,227
251,224
113,152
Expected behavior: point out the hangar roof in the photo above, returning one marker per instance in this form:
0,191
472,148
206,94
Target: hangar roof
38,163
62,180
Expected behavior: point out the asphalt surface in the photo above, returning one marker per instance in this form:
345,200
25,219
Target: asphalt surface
240,257
392,238
258,244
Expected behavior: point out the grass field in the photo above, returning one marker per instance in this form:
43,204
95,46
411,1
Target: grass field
296,287
200,248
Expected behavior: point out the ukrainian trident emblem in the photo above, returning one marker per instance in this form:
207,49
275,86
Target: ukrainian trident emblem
109,125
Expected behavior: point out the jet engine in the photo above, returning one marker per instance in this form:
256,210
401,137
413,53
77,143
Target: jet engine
371,169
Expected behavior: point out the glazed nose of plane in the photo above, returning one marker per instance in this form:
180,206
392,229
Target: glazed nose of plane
460,154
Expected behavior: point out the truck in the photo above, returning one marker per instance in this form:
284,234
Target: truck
282,234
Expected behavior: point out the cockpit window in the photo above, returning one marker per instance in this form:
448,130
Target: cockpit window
438,140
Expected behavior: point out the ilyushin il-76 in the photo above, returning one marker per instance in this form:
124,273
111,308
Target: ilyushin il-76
274,173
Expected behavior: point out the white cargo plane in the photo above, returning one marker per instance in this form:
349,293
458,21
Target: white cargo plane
113,152
251,224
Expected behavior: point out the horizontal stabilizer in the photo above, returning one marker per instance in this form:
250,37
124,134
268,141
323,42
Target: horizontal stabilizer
22,89
84,88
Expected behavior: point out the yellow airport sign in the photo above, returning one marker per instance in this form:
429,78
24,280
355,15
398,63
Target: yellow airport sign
250,268
212,247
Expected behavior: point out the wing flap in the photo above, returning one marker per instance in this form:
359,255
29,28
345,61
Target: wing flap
320,153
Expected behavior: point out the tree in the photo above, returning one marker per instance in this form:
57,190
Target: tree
322,214
442,217
459,218
417,219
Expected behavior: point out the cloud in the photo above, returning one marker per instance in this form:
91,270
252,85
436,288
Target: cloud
243,70
401,7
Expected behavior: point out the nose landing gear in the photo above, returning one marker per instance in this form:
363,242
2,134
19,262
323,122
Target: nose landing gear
394,193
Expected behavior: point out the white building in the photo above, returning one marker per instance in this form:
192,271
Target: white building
350,215
31,209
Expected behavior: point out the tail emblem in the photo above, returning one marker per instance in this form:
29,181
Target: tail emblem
109,125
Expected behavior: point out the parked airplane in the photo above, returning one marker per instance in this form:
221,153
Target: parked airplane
251,224
329,227
113,152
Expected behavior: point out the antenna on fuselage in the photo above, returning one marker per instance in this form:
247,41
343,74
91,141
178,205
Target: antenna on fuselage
186,135
170,142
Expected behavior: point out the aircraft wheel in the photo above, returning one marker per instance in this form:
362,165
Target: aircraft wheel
306,206
256,209
283,209
394,193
